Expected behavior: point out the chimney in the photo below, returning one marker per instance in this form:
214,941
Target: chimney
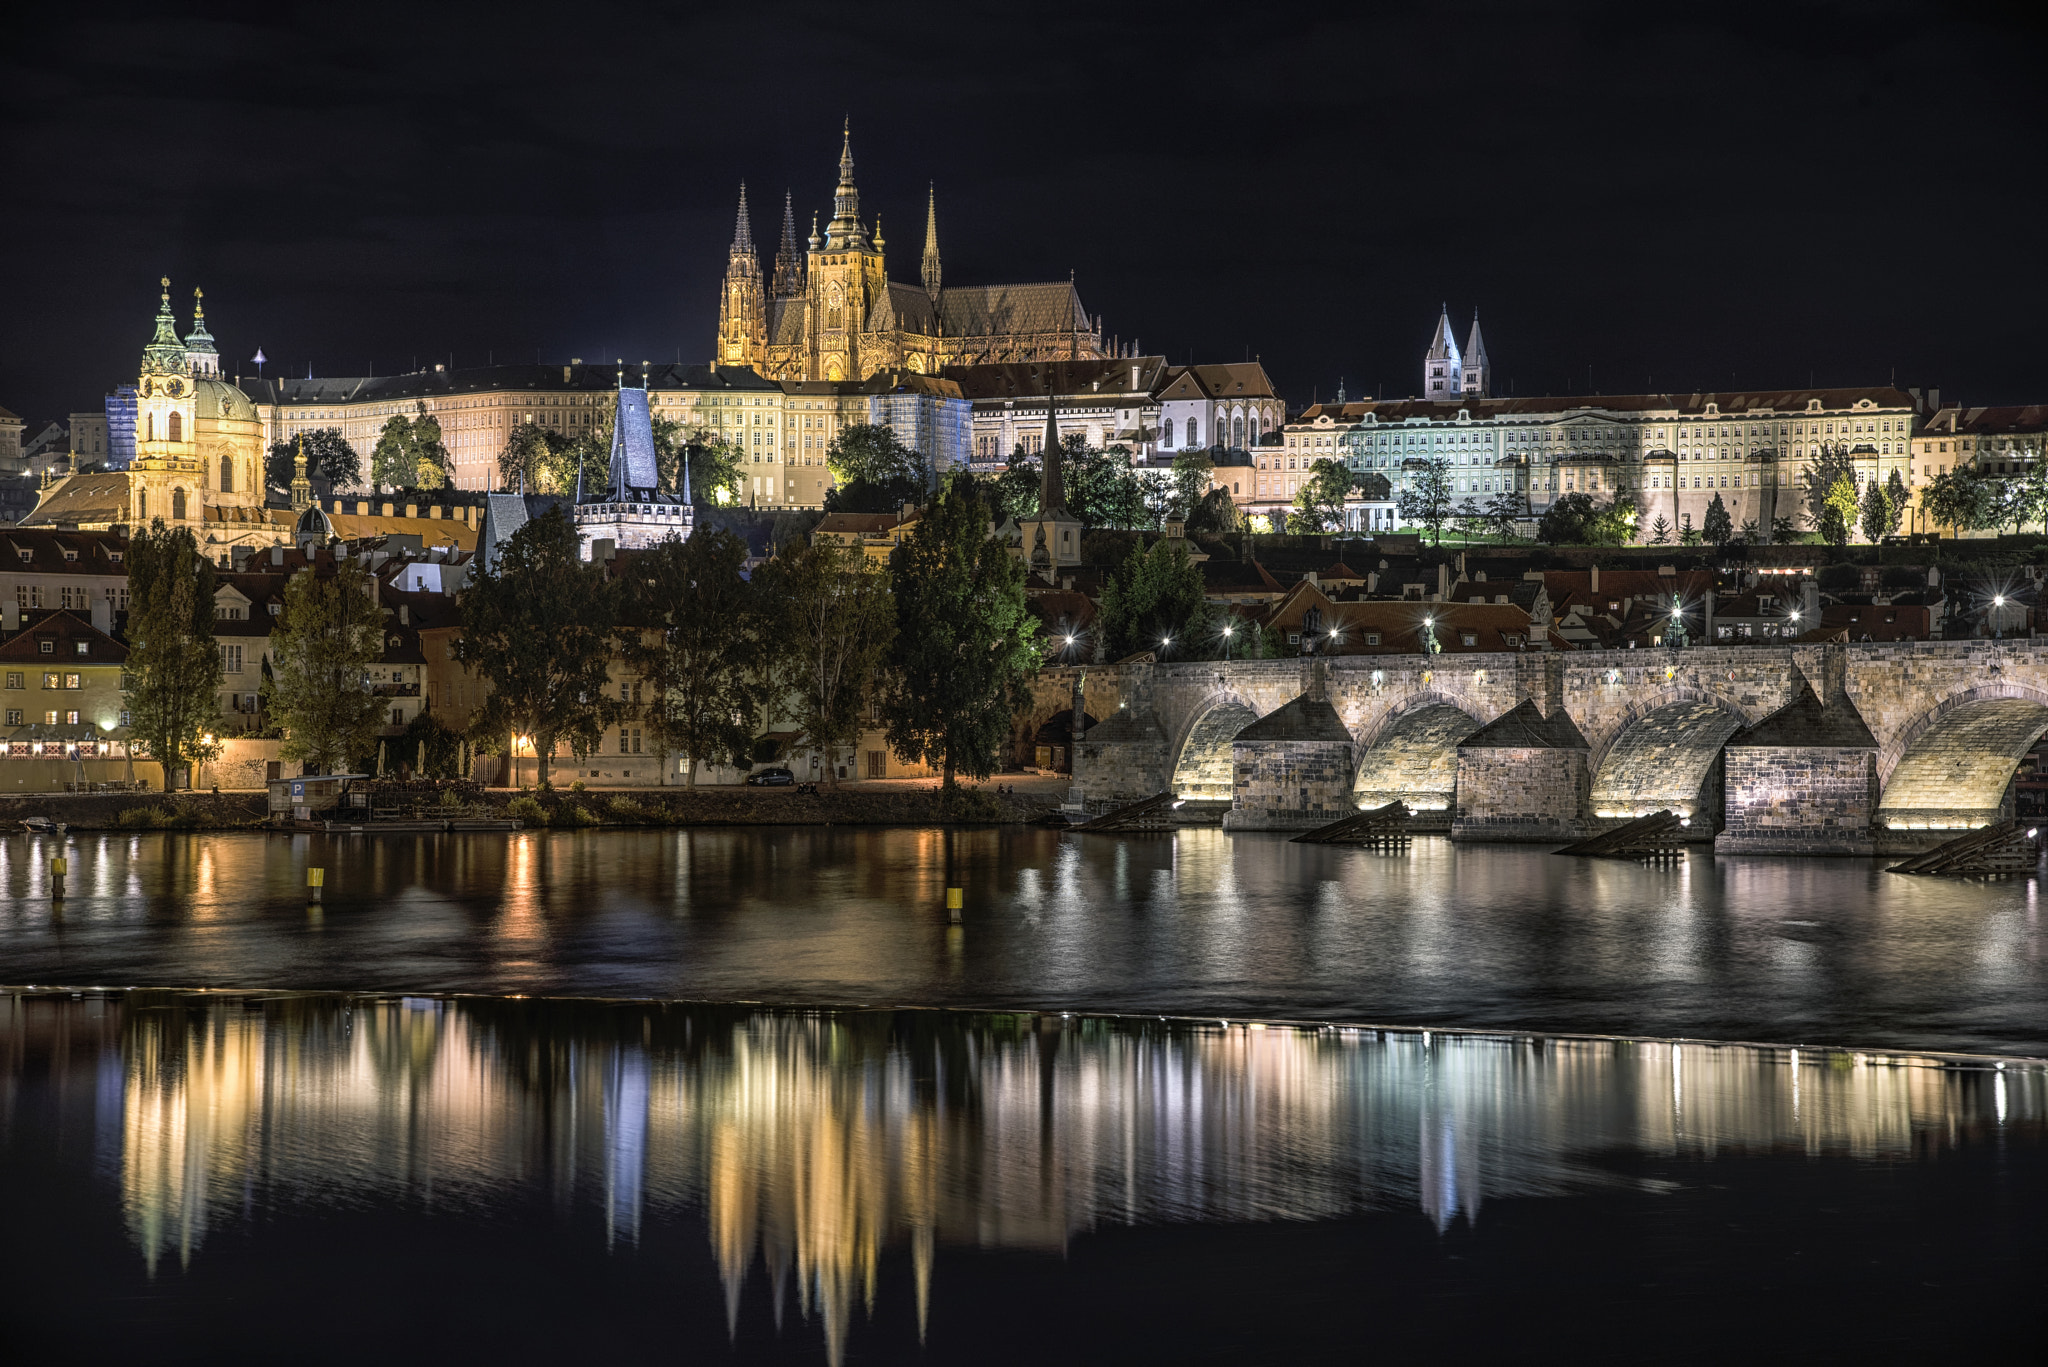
1596,580
1443,580
405,614
103,614
277,555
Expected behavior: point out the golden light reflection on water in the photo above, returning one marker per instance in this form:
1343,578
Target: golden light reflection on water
813,1143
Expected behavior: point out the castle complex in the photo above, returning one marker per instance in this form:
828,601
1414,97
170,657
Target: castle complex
831,312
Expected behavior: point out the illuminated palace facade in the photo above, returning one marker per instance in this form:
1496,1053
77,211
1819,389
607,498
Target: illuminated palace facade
830,312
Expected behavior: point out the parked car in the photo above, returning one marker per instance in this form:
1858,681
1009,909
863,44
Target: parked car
771,778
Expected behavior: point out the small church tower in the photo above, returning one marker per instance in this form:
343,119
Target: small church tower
1443,366
789,262
743,308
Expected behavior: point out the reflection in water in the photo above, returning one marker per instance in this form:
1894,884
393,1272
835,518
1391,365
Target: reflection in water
811,1142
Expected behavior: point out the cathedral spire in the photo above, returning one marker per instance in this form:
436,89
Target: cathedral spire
789,262
1442,365
1477,372
844,229
931,242
743,228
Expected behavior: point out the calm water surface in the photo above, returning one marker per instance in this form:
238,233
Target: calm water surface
314,1178
1794,951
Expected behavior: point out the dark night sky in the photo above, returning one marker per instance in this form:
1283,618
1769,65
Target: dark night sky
1674,195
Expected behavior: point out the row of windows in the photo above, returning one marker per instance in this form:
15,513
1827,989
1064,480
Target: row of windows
15,717
19,679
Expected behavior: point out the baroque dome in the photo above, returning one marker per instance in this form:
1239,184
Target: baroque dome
219,399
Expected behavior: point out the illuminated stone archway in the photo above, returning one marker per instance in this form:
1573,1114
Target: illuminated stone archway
1415,758
1669,757
1954,766
1202,768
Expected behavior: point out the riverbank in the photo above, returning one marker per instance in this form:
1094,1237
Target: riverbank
897,803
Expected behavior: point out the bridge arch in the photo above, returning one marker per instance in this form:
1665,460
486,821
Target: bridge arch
1201,754
1950,767
1412,754
1664,752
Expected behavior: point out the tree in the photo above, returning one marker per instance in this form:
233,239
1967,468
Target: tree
1874,513
331,633
1470,519
965,642
714,466
430,748
1718,528
328,456
1830,494
534,460
693,632
1217,512
174,667
1155,595
1193,472
1102,489
1896,500
1567,520
409,453
1426,501
1319,504
1503,511
1660,531
539,631
1688,535
873,471
1958,499
830,606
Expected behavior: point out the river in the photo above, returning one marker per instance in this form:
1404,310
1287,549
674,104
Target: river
1817,951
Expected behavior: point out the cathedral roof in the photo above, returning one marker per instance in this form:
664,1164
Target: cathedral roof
983,310
903,308
1030,379
219,399
786,321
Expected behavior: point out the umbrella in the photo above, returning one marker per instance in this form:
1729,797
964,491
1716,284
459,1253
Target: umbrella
420,767
380,758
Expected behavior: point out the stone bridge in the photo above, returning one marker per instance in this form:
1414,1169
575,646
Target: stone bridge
1787,749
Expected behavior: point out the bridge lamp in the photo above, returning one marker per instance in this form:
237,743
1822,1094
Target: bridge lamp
1070,640
1998,601
1228,630
1794,614
1166,640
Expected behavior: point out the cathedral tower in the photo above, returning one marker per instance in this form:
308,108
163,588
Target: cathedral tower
931,242
742,309
789,262
165,475
845,278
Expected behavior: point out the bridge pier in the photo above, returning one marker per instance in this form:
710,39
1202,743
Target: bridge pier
1523,777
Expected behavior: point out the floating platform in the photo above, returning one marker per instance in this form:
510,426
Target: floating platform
1657,836
2003,847
1381,828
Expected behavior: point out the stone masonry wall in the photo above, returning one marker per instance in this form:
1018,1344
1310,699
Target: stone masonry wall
1290,785
1521,794
1803,800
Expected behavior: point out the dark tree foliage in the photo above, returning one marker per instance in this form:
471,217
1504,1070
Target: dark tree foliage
539,630
328,457
1156,597
694,631
873,471
965,645
174,669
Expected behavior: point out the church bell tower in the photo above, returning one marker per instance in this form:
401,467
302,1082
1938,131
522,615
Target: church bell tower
743,306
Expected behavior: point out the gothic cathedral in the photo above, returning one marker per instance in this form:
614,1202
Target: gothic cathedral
832,313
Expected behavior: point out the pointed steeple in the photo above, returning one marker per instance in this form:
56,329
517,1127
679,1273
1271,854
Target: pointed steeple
844,229
789,262
1442,365
1444,347
302,488
165,354
1478,373
743,229
1052,493
931,241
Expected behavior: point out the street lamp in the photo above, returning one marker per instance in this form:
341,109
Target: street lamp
1226,643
